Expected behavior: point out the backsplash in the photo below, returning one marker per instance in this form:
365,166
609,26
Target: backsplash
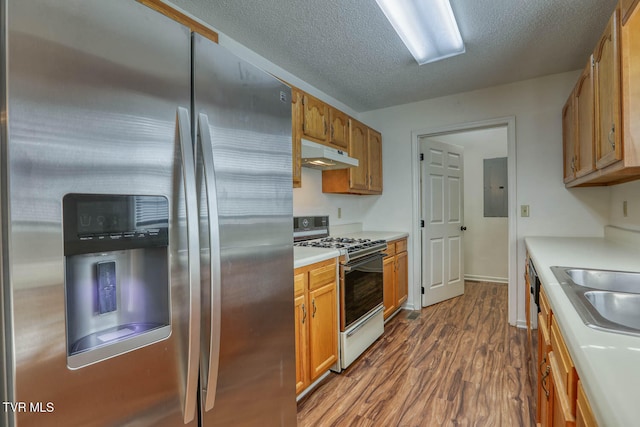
309,200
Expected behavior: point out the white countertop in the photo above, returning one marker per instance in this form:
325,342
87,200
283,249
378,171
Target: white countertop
303,255
608,364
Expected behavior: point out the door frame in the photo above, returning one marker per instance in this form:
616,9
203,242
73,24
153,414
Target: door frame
510,123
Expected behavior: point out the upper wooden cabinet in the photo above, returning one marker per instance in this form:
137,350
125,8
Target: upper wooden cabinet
577,128
315,118
296,110
583,114
626,7
374,159
321,123
358,176
569,141
615,74
365,144
338,128
606,72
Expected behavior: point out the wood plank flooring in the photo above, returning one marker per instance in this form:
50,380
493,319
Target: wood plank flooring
459,363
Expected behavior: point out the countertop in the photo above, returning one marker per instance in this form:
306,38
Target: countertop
305,255
608,364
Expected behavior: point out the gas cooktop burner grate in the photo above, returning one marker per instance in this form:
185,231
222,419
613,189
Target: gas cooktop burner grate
353,247
313,232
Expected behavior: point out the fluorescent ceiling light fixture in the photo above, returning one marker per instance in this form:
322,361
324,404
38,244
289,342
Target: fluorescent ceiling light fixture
427,27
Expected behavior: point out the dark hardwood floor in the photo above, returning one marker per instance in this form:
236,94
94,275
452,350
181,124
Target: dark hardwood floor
459,363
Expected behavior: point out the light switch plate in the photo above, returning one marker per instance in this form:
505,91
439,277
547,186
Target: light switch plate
524,210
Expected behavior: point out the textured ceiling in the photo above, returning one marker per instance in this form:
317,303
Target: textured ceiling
348,50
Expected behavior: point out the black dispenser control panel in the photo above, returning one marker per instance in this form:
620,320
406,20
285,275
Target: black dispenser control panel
107,222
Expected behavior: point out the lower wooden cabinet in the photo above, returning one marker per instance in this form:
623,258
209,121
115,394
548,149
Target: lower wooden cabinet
316,318
395,276
560,398
584,415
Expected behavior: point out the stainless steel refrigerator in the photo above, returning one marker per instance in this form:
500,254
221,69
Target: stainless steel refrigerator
146,211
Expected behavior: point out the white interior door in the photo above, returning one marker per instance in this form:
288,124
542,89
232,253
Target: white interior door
443,214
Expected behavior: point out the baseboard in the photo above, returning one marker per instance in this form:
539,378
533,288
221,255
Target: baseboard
522,324
493,279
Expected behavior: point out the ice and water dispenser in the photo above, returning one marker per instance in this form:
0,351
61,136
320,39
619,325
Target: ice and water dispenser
117,274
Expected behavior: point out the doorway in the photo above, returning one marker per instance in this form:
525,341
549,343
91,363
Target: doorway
450,134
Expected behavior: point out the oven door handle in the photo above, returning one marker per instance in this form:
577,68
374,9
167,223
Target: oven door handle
349,267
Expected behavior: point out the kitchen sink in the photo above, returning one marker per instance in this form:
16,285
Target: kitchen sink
606,280
617,307
605,300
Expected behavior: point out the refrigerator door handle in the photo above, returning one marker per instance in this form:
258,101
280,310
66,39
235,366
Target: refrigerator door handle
190,194
204,139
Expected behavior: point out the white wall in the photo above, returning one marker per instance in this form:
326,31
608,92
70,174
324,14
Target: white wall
486,240
631,193
310,200
536,105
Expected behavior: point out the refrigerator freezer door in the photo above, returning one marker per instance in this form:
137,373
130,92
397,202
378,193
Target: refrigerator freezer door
249,117
93,92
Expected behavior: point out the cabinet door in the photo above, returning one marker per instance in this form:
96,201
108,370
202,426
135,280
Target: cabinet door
561,408
375,161
314,118
389,288
339,123
584,415
296,112
543,393
568,140
626,9
631,86
359,176
302,351
583,104
607,95
323,329
402,278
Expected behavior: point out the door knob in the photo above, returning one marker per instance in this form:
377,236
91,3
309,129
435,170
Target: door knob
463,228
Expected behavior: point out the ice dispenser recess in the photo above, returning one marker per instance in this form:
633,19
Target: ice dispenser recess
116,274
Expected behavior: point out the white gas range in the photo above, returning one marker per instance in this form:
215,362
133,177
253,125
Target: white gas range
360,285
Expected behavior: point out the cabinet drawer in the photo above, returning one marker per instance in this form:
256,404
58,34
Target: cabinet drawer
401,245
545,308
322,275
566,378
299,283
391,249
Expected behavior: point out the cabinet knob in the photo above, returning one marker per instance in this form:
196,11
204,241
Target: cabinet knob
463,228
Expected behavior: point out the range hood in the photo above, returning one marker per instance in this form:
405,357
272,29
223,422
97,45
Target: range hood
318,156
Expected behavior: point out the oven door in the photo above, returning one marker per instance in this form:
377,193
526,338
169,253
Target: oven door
361,288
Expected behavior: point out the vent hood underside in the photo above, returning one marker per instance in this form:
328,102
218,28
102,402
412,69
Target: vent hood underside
318,156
